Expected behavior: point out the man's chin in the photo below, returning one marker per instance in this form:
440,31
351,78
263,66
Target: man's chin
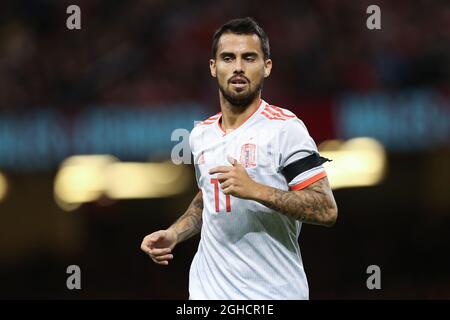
238,96
240,99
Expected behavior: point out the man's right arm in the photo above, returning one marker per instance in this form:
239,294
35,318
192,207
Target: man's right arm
190,223
159,244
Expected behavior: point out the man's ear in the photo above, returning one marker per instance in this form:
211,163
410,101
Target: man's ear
212,67
267,67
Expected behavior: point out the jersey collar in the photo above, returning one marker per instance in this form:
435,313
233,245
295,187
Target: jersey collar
249,119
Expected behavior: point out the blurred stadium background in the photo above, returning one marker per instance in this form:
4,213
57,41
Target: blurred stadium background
86,119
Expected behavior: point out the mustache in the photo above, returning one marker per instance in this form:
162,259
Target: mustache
238,76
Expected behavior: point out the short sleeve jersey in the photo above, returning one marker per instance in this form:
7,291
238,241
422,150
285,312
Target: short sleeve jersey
247,250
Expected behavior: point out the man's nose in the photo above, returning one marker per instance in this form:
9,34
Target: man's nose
238,66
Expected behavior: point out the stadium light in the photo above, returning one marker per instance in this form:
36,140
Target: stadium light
81,179
86,178
130,180
357,162
3,187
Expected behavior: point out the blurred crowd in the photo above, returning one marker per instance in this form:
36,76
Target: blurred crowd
148,52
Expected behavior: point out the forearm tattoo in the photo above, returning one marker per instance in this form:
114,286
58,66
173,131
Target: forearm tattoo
190,223
314,204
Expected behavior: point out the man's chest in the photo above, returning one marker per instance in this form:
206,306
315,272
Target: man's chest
258,153
253,151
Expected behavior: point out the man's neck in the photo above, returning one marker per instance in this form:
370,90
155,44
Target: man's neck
233,117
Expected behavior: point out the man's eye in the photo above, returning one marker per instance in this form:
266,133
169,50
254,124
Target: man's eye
250,59
227,59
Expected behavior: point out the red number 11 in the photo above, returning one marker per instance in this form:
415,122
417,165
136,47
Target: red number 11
215,182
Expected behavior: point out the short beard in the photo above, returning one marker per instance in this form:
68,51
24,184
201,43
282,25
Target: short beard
242,101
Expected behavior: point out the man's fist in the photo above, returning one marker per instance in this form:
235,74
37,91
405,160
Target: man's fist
159,245
234,180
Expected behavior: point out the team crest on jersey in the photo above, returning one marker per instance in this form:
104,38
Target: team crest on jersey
248,155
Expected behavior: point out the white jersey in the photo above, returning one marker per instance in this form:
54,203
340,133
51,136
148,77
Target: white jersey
246,250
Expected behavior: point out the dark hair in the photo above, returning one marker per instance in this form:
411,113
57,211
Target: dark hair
242,26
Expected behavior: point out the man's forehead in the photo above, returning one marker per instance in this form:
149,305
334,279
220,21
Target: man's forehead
230,42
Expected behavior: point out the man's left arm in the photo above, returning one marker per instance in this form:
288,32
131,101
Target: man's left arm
313,204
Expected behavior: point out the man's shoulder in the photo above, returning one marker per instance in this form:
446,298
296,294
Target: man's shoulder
201,126
278,114
278,117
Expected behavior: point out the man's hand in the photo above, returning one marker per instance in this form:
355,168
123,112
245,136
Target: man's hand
159,245
234,180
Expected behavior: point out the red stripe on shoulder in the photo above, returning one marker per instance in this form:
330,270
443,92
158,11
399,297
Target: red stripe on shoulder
281,112
272,117
211,119
273,113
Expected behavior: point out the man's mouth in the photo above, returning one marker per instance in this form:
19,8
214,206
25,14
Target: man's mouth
238,82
